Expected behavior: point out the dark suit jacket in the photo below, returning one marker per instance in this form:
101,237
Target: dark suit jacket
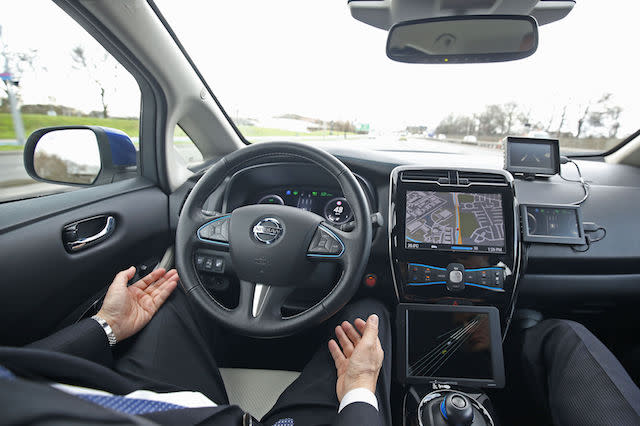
80,355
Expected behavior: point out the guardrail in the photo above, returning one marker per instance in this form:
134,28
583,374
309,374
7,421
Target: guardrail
479,143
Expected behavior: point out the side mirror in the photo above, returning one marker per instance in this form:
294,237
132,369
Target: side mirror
463,39
79,155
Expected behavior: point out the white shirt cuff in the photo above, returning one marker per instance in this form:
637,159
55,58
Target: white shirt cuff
359,395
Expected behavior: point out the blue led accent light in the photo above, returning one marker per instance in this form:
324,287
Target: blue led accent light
427,266
484,269
485,287
461,248
429,283
443,411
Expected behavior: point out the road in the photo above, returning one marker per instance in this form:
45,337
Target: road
12,166
15,182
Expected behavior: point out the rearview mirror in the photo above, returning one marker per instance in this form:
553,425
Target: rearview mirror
463,39
80,155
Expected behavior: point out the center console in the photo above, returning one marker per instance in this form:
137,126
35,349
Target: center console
453,237
455,254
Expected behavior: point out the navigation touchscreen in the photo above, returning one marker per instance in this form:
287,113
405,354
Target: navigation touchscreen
453,343
460,221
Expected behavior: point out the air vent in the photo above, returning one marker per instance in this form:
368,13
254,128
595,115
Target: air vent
482,178
441,176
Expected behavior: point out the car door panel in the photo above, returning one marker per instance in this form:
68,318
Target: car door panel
42,282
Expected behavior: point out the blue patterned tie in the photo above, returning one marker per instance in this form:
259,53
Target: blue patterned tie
117,403
133,406
6,374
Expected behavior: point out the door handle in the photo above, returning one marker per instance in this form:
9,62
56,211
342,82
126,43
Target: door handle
73,237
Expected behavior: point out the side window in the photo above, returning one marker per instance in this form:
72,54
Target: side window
61,76
185,147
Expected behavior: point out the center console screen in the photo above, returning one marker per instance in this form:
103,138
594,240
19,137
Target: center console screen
456,221
460,344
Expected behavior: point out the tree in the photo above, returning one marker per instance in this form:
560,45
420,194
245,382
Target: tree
511,113
601,116
493,120
614,113
457,125
563,117
583,118
15,63
101,67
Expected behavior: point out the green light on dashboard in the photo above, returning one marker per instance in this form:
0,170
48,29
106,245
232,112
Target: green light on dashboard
323,194
314,193
295,192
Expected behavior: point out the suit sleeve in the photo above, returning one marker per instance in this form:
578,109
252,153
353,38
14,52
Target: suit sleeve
85,339
358,413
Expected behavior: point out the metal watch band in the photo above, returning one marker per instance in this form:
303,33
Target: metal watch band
107,329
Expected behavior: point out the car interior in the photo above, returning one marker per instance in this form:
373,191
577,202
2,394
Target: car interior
272,239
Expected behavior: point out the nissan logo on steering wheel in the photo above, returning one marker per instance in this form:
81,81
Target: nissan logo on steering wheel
268,230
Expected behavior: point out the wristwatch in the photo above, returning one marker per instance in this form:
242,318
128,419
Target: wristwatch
107,329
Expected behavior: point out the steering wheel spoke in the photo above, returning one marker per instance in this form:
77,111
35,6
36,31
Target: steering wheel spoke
262,302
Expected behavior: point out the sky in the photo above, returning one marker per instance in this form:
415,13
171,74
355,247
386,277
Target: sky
310,57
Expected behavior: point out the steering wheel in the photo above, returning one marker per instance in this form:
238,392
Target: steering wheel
272,248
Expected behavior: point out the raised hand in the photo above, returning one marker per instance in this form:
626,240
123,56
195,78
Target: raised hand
127,309
359,361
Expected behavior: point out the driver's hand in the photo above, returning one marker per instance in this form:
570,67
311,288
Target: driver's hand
127,309
359,361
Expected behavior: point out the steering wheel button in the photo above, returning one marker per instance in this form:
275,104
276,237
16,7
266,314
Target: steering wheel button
208,264
335,247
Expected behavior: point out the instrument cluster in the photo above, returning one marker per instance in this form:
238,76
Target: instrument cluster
327,203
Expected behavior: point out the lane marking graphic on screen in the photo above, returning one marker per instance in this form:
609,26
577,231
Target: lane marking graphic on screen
449,343
454,218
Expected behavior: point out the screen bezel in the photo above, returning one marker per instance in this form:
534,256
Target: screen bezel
551,239
538,171
497,358
401,207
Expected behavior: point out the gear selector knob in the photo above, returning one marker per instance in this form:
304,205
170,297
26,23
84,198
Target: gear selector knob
457,410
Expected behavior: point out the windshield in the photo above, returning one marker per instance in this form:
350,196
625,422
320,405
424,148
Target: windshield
307,70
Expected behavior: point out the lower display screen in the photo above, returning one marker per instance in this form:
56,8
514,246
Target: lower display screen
458,221
444,344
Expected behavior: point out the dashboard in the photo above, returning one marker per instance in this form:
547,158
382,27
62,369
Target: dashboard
420,250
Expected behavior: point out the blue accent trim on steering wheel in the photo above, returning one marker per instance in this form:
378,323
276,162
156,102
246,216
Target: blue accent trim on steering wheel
221,243
324,228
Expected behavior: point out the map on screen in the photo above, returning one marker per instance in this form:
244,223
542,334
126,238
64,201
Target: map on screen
454,220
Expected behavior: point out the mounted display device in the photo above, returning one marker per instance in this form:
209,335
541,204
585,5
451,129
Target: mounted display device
531,156
554,224
462,345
